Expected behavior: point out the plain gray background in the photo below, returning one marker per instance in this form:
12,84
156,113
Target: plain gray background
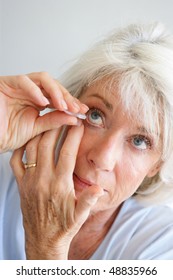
47,35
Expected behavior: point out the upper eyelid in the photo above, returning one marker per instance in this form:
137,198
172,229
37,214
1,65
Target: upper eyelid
143,137
96,109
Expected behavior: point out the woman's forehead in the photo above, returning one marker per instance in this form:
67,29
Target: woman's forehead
104,91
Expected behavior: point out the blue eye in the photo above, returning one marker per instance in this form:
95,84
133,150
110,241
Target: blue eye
141,142
95,117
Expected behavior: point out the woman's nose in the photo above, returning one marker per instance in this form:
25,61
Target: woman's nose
105,153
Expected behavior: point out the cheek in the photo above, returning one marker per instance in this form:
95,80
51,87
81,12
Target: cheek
84,147
134,169
86,143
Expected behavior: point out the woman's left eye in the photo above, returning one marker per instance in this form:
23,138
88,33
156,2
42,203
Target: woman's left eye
95,117
141,142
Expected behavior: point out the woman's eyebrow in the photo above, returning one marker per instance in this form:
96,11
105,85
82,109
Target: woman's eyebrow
142,129
106,103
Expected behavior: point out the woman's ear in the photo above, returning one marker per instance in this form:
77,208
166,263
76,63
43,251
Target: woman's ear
155,169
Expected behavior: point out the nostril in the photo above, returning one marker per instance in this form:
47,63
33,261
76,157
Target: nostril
92,162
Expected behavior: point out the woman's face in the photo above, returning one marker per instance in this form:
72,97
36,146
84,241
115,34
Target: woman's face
116,151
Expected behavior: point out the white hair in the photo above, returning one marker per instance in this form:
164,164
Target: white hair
139,59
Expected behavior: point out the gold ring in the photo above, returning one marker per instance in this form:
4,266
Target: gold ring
29,165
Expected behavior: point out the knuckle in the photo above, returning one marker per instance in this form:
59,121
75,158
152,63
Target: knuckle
66,153
44,75
44,144
22,78
30,147
25,81
66,92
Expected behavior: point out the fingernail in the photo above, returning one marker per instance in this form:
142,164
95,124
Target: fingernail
77,115
64,105
79,122
45,100
85,107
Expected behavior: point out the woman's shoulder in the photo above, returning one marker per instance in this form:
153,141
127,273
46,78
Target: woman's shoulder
7,180
139,232
5,161
6,174
155,217
152,230
136,207
147,230
11,230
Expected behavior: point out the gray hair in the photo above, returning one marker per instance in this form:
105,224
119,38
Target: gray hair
139,58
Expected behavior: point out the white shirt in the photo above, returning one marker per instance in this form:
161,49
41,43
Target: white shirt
138,232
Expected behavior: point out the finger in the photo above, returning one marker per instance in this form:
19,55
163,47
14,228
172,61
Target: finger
32,150
74,104
32,91
69,100
69,150
24,88
51,88
53,120
83,106
60,97
86,201
46,150
17,163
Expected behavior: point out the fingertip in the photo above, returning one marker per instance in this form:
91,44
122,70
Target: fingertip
84,107
44,101
78,126
74,121
97,190
92,194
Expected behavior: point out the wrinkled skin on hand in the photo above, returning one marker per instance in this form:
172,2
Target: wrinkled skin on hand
22,98
52,215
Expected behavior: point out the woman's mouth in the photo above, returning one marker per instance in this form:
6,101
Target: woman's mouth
81,183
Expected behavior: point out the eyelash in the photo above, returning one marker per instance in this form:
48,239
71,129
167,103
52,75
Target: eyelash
146,139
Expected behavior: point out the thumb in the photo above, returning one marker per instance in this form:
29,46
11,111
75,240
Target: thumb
85,202
53,120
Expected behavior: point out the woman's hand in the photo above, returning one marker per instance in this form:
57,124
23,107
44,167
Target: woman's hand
21,100
51,213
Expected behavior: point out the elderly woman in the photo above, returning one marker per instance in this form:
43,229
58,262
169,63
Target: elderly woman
91,199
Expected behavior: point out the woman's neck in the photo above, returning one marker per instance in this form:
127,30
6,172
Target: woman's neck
91,234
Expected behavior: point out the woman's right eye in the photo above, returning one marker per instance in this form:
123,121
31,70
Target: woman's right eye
95,117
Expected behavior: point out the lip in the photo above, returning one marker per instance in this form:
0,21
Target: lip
83,183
